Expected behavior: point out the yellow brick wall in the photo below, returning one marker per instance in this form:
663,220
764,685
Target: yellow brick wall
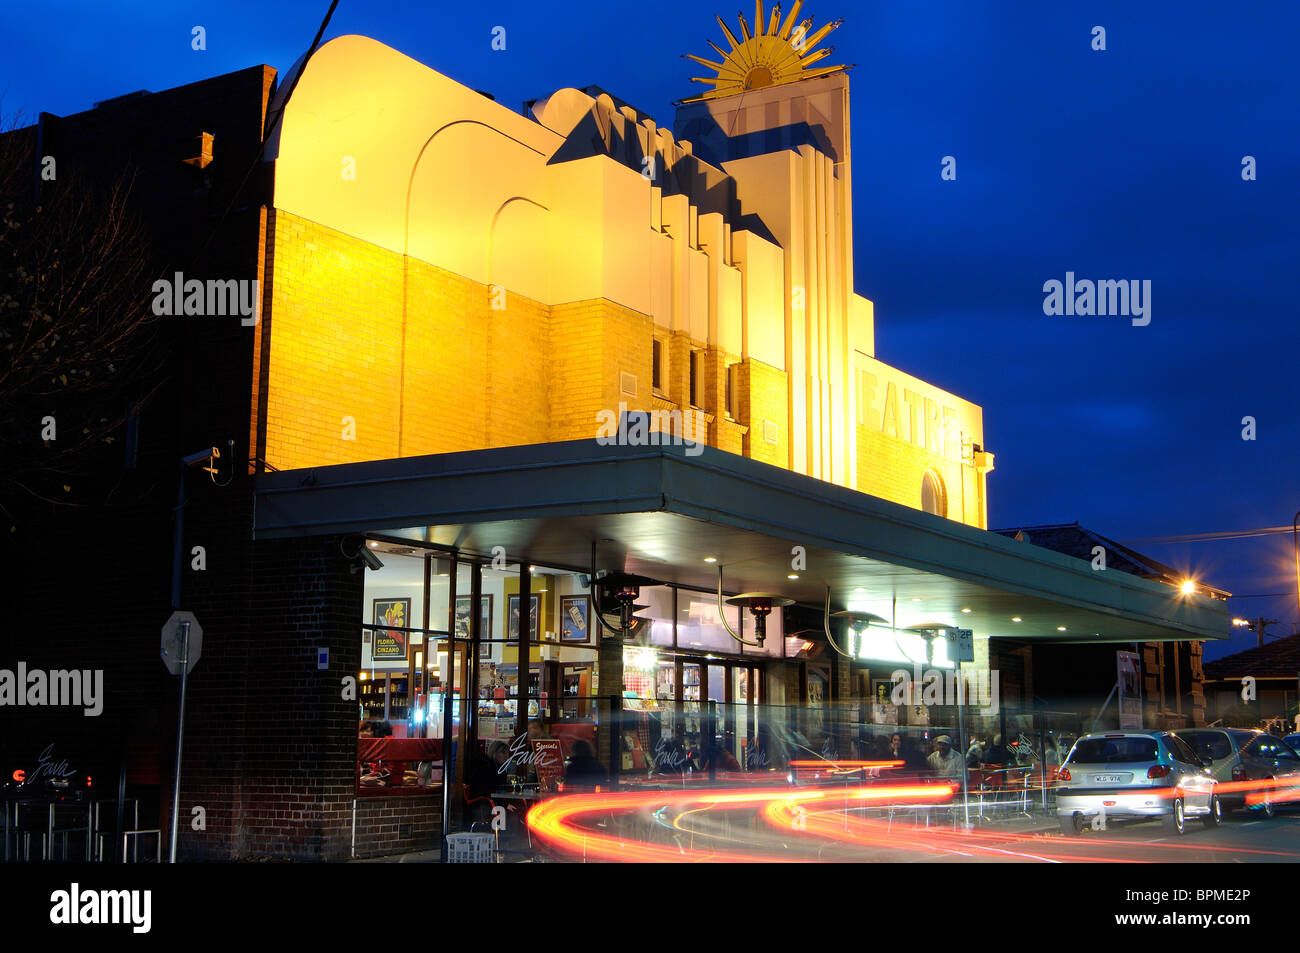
335,346
895,470
424,363
764,395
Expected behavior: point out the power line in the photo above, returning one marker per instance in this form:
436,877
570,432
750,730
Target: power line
1209,537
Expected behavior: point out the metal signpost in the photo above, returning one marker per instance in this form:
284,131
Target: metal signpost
182,643
961,648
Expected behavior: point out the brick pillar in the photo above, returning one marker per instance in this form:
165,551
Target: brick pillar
609,676
277,735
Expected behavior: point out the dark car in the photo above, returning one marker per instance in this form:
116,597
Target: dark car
1244,756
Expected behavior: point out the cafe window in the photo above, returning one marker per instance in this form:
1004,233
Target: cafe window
699,623
399,745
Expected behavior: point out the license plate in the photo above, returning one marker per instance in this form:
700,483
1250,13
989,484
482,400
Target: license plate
1106,778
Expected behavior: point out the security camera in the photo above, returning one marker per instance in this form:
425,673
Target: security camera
368,559
200,458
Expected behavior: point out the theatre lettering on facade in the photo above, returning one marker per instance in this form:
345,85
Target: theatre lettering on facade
457,300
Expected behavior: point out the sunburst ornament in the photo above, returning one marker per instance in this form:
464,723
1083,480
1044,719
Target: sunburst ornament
774,53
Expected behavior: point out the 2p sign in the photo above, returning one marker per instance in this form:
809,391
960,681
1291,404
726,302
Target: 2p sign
172,638
961,645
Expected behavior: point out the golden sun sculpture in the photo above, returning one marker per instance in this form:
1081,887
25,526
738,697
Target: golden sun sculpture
775,53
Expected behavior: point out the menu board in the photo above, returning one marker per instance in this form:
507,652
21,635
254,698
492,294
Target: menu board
548,759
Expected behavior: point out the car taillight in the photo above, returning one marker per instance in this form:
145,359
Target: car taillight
1158,771
1063,774
1238,773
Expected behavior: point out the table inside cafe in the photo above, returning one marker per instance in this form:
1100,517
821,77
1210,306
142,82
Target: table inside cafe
399,756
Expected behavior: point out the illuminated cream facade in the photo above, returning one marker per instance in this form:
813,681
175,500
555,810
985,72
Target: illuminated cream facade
447,274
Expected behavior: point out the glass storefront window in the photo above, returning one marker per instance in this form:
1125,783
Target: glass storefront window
666,688
699,624
640,672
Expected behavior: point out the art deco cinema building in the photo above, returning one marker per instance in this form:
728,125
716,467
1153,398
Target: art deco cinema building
457,300
454,275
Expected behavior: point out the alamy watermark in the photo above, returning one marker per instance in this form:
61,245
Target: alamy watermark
58,687
211,298
933,687
76,906
1128,298
650,428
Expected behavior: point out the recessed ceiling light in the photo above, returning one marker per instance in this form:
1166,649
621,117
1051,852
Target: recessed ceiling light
1060,628
373,544
860,589
710,559
967,611
793,575
1016,618
916,598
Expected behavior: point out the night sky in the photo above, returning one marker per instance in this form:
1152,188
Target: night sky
1117,164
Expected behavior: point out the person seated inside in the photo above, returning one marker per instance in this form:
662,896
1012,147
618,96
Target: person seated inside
944,761
583,772
998,753
484,776
375,773
720,759
670,755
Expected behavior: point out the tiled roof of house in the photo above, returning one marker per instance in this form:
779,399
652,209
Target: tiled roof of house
1280,659
1075,540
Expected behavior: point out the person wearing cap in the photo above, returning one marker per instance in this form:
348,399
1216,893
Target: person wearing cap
944,762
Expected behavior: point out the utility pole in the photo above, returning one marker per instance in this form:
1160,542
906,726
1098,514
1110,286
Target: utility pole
1257,626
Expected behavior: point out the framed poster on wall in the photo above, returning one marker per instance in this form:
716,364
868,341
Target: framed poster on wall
575,620
512,614
485,622
390,644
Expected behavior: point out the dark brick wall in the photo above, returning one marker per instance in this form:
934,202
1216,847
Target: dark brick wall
269,739
271,745
91,569
390,825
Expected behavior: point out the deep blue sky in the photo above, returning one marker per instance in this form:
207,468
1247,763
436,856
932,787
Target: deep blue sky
1117,164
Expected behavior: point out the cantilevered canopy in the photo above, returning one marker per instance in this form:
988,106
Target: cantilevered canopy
774,52
660,512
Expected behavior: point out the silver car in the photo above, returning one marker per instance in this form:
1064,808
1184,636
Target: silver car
1240,758
1135,774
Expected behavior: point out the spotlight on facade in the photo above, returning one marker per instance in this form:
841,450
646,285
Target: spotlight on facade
760,604
1188,587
